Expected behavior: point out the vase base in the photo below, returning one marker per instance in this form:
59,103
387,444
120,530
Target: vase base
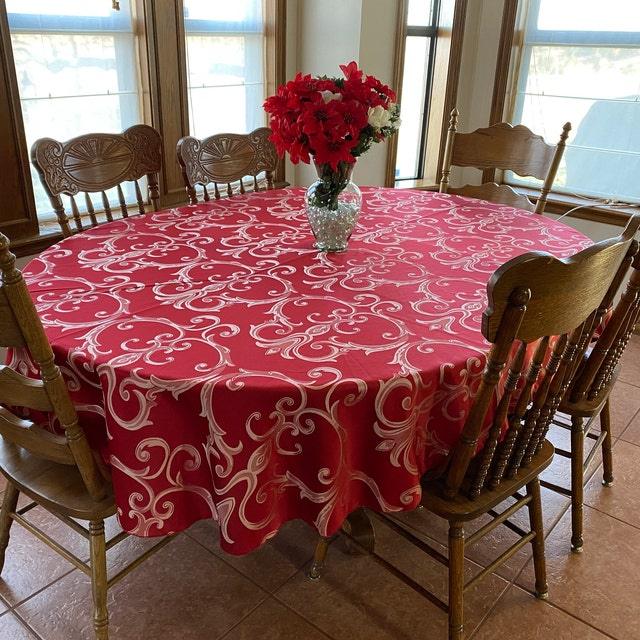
328,250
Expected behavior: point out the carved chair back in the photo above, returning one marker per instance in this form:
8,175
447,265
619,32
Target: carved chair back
540,303
95,163
596,368
502,146
20,327
226,158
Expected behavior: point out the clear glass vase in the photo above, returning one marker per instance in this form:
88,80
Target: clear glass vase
333,205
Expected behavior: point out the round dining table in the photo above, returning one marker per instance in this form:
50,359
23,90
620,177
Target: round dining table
226,368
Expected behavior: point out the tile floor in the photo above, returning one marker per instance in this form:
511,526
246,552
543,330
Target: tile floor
190,590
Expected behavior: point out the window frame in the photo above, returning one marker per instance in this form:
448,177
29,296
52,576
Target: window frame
120,24
444,90
530,36
430,31
159,31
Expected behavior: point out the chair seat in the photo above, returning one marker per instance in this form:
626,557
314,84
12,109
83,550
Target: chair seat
462,508
56,486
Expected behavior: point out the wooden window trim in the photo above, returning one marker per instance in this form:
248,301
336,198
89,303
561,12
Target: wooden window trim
444,90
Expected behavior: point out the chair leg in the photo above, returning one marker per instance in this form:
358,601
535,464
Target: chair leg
607,458
99,579
537,526
456,581
9,505
318,558
577,482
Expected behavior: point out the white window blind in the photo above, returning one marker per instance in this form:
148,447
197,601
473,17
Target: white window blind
225,44
581,63
77,71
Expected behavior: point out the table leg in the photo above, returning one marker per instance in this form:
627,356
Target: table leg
358,525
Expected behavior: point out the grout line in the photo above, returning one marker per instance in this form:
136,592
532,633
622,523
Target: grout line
24,623
243,618
626,426
246,577
555,605
39,591
274,595
609,515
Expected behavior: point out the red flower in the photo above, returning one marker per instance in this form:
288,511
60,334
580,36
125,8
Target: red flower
351,71
318,116
354,116
332,152
326,117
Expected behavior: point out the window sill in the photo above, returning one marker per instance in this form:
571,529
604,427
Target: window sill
561,203
557,203
425,185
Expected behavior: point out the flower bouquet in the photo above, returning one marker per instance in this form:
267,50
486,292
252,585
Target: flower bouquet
333,121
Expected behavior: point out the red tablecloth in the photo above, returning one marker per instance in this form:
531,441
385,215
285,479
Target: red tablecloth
227,369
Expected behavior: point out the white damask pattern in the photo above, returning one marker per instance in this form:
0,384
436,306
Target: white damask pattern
227,369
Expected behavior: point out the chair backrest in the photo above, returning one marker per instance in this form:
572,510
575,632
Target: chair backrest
94,163
20,327
535,303
226,158
595,375
502,146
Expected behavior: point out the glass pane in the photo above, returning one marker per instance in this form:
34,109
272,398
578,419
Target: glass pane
70,82
570,71
68,15
589,15
244,15
53,65
226,109
419,14
414,84
65,118
225,67
60,7
600,159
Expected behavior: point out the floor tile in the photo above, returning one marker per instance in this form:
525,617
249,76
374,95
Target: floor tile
622,500
274,563
12,629
624,405
520,616
356,599
273,621
600,585
30,564
499,540
632,432
630,370
182,592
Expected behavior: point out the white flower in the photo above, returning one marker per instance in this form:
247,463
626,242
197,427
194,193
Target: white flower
379,117
328,96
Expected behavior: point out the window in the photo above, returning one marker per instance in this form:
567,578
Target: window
581,62
225,44
420,43
77,70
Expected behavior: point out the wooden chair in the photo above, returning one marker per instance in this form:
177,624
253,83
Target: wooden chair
502,146
590,392
94,163
226,158
536,304
58,472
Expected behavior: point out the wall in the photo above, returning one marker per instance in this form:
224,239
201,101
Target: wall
321,35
